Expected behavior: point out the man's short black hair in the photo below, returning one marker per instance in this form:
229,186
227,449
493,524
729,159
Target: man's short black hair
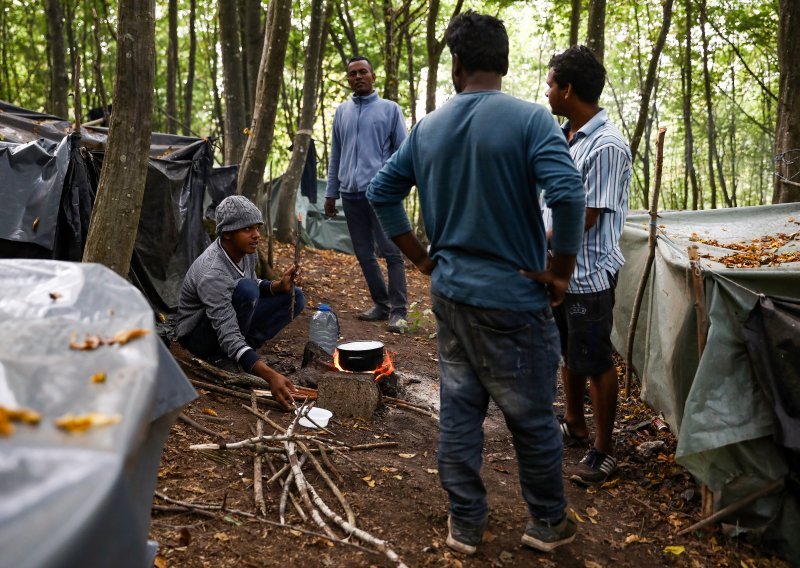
579,67
480,41
359,58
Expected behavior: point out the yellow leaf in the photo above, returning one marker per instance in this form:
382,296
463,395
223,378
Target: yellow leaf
124,337
209,411
160,562
388,469
407,456
576,515
222,537
369,481
75,424
398,477
295,533
676,550
98,377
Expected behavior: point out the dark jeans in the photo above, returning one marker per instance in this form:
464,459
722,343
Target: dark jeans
511,357
367,235
260,318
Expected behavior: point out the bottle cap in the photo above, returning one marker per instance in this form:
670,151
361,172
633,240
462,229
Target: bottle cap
324,308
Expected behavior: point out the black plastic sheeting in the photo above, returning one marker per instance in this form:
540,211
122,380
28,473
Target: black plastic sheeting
771,332
48,190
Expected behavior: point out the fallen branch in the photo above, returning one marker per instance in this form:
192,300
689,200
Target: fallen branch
409,406
258,480
205,510
183,418
230,378
251,442
733,507
233,393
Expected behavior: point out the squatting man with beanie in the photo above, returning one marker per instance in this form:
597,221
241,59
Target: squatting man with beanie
225,313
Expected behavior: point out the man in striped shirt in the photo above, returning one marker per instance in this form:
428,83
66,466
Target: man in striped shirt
575,81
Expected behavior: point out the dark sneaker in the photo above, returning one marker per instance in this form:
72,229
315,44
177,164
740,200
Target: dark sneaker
595,467
375,313
546,537
464,538
397,324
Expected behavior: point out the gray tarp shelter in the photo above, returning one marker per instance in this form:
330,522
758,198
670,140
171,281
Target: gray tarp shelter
80,499
728,435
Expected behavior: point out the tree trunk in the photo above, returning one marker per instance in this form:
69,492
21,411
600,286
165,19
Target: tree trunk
650,79
211,55
787,133
391,82
712,135
596,34
119,195
434,47
575,22
188,90
259,144
235,115
291,179
688,146
252,46
172,67
58,58
412,86
99,85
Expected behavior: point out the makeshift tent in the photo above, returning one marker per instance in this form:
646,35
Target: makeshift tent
80,499
733,435
50,179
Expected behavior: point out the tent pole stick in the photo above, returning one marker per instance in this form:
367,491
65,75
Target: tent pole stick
270,242
698,292
733,507
651,253
76,95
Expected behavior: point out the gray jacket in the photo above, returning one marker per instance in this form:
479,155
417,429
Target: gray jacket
208,288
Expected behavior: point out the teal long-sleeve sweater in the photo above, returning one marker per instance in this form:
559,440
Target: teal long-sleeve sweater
480,164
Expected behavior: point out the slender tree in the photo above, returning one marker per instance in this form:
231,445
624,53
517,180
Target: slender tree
172,67
119,195
291,179
574,22
434,46
688,140
188,89
235,114
259,144
252,24
787,134
596,33
58,58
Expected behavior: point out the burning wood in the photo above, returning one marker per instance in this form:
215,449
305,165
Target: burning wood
385,369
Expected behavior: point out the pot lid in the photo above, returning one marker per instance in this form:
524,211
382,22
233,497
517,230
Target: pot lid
360,345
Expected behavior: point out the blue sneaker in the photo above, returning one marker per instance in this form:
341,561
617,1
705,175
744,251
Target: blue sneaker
463,537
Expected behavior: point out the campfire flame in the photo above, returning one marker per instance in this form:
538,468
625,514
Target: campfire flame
385,369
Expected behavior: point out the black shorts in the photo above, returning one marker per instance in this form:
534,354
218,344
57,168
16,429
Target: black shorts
584,324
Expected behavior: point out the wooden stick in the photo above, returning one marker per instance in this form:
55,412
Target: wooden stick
351,518
651,253
258,478
328,463
408,406
733,507
183,418
203,509
76,97
252,442
233,393
699,299
227,377
287,493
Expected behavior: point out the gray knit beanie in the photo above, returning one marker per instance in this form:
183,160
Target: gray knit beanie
236,212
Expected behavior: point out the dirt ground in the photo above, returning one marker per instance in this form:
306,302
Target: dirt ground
395,492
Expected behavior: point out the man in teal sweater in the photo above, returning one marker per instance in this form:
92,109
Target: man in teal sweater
479,164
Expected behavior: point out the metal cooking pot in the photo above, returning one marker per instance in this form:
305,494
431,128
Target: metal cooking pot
360,356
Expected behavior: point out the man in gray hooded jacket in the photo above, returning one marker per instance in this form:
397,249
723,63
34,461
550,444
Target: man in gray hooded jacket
225,313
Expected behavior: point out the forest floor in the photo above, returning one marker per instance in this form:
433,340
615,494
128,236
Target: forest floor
394,492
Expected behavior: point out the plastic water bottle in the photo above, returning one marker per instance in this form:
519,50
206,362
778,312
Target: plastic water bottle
324,328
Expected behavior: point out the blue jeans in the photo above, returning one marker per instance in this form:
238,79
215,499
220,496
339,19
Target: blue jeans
511,357
260,318
367,234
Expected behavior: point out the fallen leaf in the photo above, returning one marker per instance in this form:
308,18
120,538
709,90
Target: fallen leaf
75,424
591,564
89,343
576,515
98,377
55,295
24,415
35,224
159,562
388,469
398,477
369,481
591,511
123,337
676,550
222,537
295,532
609,484
209,411
407,456
432,471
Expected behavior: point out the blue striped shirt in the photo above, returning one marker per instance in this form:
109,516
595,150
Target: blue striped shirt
603,159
